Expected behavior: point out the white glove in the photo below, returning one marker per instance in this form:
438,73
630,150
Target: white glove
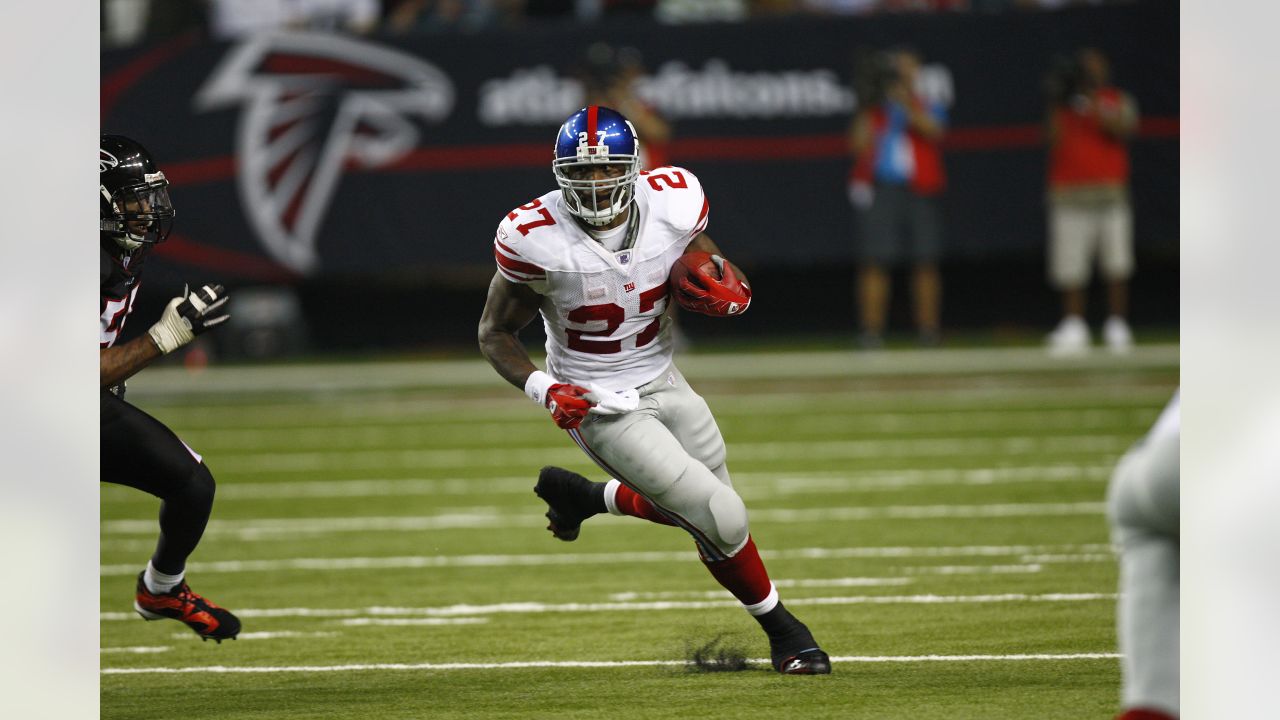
187,316
613,403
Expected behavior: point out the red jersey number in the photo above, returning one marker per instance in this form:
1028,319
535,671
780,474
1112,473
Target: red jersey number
543,213
612,315
673,178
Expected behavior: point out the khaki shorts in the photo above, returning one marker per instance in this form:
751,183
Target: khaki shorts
1080,231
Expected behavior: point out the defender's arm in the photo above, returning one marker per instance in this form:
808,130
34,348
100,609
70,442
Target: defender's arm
119,363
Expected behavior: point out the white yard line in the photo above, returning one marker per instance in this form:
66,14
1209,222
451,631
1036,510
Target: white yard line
362,621
361,434
274,635
780,483
135,650
365,376
523,608
275,528
798,451
584,664
613,558
1027,568
804,583
269,416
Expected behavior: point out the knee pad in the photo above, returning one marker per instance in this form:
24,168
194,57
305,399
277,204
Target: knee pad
730,516
709,509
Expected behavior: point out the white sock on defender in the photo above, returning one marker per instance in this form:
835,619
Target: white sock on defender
159,583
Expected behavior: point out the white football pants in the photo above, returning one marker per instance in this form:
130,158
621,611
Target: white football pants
669,450
1143,508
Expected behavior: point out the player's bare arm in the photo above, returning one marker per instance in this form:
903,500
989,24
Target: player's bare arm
508,309
121,362
185,317
704,243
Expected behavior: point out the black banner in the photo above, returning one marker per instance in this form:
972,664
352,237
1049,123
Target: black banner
301,155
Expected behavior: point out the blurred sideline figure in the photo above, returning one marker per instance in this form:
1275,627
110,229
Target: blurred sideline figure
1143,508
138,450
593,257
235,19
608,76
894,185
1089,124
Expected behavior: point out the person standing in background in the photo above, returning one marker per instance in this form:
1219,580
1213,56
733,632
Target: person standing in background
896,179
1089,123
608,76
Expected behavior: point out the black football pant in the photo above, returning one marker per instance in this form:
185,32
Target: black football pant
139,451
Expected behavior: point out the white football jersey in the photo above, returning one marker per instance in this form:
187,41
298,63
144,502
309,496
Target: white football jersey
605,312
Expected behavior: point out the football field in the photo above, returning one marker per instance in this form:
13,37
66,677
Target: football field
937,518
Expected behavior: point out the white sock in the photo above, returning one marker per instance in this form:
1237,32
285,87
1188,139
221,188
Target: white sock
769,602
159,583
611,496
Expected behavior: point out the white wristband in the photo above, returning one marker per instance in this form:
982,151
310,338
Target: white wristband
536,386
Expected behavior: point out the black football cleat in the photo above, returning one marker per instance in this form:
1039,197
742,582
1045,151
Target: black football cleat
569,500
808,662
208,620
792,649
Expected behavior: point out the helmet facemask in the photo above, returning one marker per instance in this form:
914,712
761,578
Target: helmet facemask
597,201
138,214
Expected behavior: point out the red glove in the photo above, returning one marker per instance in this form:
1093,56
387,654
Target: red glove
567,405
701,292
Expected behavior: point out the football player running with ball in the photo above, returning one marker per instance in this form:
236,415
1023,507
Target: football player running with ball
138,450
594,258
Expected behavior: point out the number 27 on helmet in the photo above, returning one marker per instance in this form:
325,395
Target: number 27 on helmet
597,161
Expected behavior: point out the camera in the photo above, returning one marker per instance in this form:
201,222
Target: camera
1063,80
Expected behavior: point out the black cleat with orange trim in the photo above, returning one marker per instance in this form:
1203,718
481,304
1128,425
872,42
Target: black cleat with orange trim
208,620
570,499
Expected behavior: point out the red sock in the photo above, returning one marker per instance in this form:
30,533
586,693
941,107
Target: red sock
631,503
743,575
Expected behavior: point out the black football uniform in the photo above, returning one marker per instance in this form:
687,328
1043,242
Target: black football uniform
138,450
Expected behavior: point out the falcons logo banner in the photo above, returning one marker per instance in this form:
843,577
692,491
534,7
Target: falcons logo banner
312,105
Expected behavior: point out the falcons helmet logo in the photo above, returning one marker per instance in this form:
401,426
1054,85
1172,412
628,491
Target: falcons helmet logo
314,104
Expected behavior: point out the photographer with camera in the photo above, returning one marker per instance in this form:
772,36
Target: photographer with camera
1089,123
894,186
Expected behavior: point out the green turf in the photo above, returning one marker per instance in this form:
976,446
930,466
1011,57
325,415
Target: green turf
934,508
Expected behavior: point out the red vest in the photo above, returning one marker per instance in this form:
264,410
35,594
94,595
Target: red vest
1085,154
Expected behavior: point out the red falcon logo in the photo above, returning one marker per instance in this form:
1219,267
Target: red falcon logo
314,104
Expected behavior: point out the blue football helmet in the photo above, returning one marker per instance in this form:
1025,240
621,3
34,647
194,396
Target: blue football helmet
593,137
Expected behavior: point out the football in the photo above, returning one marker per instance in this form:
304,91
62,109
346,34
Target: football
701,284
690,262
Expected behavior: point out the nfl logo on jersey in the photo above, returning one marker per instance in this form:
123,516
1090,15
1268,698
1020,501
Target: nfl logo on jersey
624,257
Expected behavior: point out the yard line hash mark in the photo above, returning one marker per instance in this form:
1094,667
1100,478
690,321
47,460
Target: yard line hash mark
573,664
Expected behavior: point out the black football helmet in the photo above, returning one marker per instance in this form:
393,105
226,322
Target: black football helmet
134,194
